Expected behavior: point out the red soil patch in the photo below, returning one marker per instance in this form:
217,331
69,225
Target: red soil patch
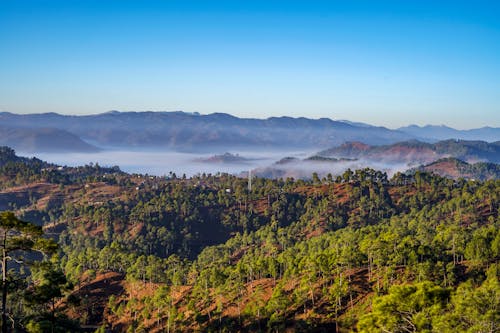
94,297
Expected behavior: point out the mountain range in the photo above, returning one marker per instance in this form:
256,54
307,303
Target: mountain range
442,132
51,132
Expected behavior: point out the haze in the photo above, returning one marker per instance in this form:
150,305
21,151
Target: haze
161,163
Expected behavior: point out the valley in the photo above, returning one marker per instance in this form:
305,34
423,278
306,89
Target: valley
146,253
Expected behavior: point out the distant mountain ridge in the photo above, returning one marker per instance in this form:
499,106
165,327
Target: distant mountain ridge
442,132
43,139
180,130
194,132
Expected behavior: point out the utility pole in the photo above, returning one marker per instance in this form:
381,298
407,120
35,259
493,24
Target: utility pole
249,181
4,285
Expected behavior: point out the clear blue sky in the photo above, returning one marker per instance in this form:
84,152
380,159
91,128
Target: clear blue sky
388,63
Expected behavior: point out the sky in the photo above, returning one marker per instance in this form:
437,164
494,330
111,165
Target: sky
387,63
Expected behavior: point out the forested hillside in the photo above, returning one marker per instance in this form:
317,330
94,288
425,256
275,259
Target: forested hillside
416,152
455,168
350,252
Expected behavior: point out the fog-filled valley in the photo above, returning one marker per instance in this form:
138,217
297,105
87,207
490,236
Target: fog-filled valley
161,163
161,143
272,162
267,164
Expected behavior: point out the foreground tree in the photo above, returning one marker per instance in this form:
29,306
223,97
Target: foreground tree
48,283
17,238
406,308
475,309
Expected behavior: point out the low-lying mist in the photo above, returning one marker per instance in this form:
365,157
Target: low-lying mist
264,164
305,168
163,162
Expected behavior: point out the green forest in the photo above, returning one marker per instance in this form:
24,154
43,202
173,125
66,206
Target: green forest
94,249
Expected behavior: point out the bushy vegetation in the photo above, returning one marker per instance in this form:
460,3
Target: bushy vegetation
357,251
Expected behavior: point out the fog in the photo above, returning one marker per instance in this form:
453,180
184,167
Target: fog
264,164
305,168
162,163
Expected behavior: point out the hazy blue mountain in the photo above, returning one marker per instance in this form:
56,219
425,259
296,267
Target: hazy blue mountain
194,132
180,130
442,132
355,123
30,140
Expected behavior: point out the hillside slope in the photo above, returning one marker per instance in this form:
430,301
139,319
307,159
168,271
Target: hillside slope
202,254
415,152
455,168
